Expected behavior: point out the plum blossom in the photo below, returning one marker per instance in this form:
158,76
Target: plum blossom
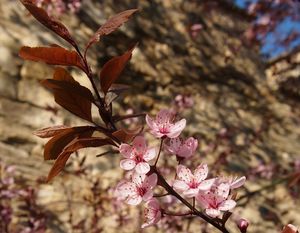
184,149
163,124
216,200
152,213
137,190
137,156
190,184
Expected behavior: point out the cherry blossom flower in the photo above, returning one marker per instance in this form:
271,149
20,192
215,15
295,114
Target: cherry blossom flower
137,190
190,184
216,200
137,156
182,148
163,124
242,224
152,213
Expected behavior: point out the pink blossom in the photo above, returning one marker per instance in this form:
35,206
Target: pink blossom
233,182
163,124
137,156
190,184
137,190
182,148
216,200
242,224
152,213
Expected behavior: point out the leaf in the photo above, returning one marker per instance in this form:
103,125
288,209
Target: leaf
88,142
125,135
112,70
74,145
50,131
72,96
110,25
41,15
52,56
58,165
62,74
56,145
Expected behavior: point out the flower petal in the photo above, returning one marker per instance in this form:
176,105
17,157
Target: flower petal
184,174
139,144
238,182
150,181
127,164
180,185
190,193
150,154
134,200
176,129
138,179
206,184
201,172
142,168
164,116
175,144
148,195
125,150
203,200
227,205
125,189
151,123
213,212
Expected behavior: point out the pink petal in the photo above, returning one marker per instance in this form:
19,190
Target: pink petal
184,174
142,168
175,144
184,151
139,143
148,195
176,129
125,189
151,123
150,181
164,116
227,205
206,184
238,182
203,200
222,191
138,179
212,212
201,172
127,164
134,200
190,193
125,150
153,204
157,134
180,185
150,154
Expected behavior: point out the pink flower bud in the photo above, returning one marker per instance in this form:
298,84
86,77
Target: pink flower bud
243,225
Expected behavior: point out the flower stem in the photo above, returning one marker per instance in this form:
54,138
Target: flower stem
160,148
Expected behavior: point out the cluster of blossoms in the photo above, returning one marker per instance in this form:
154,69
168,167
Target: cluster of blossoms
58,7
213,195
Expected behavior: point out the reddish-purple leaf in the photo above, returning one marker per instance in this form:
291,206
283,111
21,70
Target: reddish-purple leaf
50,131
126,135
62,74
110,25
72,96
41,15
56,145
74,145
112,70
58,165
52,56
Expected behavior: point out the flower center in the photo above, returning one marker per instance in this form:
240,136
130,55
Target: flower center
141,191
164,128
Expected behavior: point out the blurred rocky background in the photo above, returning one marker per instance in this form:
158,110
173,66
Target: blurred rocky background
190,56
